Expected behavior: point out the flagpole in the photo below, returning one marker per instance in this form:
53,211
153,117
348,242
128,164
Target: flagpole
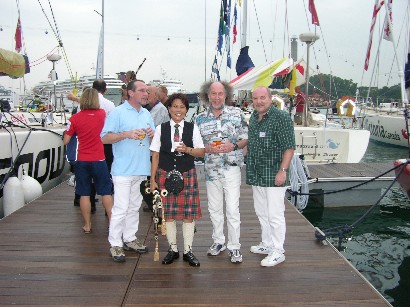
244,23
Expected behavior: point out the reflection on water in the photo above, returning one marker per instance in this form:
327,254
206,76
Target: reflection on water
379,247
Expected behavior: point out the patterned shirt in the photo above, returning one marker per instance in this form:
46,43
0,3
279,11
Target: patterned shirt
229,126
268,140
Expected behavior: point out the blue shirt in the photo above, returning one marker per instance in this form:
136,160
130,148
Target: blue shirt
130,159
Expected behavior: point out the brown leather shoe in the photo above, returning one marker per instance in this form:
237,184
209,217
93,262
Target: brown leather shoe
191,259
170,257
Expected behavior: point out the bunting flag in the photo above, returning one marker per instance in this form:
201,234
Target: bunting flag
312,10
215,70
99,68
376,9
234,31
221,29
227,33
17,36
386,28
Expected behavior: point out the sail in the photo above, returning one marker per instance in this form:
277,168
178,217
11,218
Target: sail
262,75
244,61
13,64
99,68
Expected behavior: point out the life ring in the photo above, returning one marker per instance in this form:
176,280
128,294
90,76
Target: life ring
351,106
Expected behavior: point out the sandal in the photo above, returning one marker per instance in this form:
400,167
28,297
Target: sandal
87,231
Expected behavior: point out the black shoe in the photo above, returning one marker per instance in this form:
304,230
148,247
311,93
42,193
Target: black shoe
170,257
191,259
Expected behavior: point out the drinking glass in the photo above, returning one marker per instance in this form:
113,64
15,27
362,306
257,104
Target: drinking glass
216,142
141,137
177,153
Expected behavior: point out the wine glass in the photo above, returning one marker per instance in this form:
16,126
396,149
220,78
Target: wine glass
142,136
177,153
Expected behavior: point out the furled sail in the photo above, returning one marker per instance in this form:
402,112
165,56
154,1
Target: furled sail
13,64
262,75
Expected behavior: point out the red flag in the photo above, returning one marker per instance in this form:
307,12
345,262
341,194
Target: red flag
17,36
386,28
376,9
312,10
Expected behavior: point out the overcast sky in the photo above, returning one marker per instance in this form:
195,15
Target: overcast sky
181,35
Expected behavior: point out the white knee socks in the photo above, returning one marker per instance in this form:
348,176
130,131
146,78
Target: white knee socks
172,235
188,232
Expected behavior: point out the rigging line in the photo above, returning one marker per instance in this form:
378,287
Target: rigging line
275,18
349,188
49,23
381,197
55,24
45,56
286,30
260,32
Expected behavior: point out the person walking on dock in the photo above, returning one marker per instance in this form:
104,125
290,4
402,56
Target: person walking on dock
129,128
224,132
270,151
90,167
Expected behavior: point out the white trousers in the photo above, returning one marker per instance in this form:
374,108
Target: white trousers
270,209
125,212
230,187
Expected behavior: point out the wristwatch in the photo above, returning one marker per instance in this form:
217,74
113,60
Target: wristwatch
235,146
283,169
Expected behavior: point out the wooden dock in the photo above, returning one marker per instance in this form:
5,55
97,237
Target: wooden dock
45,259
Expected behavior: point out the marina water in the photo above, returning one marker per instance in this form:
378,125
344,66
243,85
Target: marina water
379,247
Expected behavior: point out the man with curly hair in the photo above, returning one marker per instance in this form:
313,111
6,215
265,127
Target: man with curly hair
225,133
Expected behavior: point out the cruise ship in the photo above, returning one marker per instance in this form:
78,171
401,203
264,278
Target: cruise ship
63,87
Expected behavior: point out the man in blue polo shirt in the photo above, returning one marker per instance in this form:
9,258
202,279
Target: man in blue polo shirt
129,128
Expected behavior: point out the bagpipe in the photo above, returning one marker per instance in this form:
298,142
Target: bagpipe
157,209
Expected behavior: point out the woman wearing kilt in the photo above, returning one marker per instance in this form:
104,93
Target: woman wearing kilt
175,145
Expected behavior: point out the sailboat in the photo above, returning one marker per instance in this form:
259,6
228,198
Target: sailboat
317,143
31,143
386,121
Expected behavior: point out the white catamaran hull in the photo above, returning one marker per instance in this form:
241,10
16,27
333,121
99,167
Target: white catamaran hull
388,129
42,155
324,145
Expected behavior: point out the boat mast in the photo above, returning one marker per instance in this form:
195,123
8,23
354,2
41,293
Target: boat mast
244,22
100,55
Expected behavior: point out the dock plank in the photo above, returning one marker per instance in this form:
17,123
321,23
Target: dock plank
45,259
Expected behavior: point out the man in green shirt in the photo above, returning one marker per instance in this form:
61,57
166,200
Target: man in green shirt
270,149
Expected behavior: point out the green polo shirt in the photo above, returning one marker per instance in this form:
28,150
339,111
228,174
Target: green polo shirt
268,140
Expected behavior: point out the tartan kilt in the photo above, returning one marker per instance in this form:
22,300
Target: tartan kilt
186,204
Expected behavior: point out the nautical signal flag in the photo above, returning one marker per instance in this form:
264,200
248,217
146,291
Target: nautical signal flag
312,10
376,9
386,28
17,36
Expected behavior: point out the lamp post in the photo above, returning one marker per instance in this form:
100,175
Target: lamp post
309,39
54,58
